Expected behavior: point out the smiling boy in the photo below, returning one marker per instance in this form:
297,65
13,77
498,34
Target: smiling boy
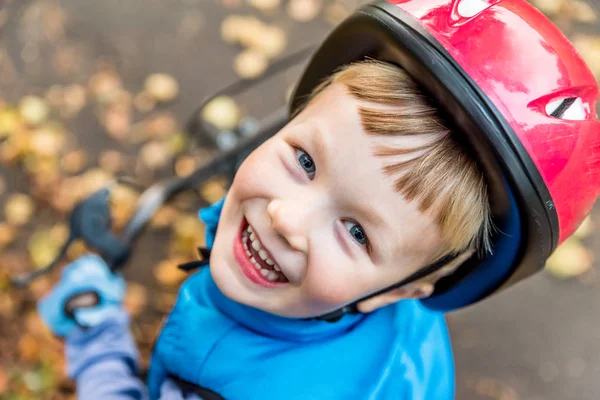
362,188
378,192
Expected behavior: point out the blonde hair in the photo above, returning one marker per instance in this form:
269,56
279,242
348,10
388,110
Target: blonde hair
440,175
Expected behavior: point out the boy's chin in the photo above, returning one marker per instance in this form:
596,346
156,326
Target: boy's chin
229,284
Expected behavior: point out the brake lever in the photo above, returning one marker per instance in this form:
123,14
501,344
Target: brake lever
90,221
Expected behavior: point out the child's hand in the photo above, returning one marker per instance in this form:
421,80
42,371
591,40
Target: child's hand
88,294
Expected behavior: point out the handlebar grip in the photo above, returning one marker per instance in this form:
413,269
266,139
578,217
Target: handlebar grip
81,300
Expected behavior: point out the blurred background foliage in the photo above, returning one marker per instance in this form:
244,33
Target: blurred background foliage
94,90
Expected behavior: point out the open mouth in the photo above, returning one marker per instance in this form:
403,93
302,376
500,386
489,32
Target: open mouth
256,262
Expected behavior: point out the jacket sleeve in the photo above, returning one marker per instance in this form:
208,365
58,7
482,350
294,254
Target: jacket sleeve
103,361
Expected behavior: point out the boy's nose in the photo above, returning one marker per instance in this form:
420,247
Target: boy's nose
289,223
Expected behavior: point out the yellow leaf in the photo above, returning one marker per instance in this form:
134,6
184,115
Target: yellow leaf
29,348
223,112
10,120
585,229
136,298
251,64
162,87
214,190
265,5
569,260
167,273
74,161
7,234
43,248
583,12
304,10
18,209
34,110
549,7
589,47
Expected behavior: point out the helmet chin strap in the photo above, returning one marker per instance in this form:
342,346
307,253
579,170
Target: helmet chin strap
352,308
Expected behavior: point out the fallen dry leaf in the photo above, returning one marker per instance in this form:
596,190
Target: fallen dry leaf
589,47
185,165
74,100
77,249
335,13
74,161
214,190
265,5
155,155
583,11
223,112
47,140
272,42
188,233
29,348
10,121
18,209
123,201
91,181
4,381
117,122
7,234
106,86
250,64
164,217
165,301
112,161
177,143
162,87
167,273
144,102
160,126
14,147
34,110
43,248
585,229
304,10
549,7
55,96
245,30
59,232
570,259
136,298
8,306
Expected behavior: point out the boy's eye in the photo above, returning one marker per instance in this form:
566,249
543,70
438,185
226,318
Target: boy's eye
357,232
306,162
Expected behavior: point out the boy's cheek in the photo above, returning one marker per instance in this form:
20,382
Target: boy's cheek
329,290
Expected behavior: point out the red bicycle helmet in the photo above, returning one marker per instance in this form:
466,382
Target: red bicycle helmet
522,98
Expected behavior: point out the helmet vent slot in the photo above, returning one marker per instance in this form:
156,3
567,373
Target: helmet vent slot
570,108
470,8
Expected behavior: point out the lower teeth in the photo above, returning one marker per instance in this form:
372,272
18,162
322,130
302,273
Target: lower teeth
269,274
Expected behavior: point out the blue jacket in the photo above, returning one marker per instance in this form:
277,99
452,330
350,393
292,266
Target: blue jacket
401,351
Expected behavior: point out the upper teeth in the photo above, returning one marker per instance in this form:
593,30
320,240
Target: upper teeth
257,246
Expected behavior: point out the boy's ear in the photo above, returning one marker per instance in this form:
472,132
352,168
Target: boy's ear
417,290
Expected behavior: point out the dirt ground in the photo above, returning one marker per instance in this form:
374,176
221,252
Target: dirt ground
537,341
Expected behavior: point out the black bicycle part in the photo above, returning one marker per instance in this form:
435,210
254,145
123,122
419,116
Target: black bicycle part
352,308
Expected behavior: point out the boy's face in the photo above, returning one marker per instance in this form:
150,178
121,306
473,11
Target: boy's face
310,207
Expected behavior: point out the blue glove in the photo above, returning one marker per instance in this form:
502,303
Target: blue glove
87,295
